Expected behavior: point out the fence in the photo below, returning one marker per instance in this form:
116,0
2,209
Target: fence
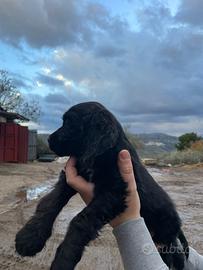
32,145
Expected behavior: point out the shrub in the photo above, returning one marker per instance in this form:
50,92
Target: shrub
42,147
197,146
186,140
189,156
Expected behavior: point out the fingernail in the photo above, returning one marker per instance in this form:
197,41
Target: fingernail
124,154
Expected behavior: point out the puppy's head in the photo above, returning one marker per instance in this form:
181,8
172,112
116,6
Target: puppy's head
88,130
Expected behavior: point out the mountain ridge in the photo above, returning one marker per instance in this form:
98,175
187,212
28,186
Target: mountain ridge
152,144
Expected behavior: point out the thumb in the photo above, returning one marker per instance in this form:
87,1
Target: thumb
76,181
79,184
126,169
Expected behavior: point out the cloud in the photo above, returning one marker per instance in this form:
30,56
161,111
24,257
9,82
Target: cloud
181,126
153,89
154,18
149,77
49,80
57,99
109,51
42,22
54,106
50,23
191,12
156,80
19,83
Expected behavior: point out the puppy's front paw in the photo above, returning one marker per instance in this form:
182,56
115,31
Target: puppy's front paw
63,260
31,239
62,175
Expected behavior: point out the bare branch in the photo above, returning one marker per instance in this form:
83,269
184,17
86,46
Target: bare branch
12,100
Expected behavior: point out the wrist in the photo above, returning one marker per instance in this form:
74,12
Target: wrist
122,219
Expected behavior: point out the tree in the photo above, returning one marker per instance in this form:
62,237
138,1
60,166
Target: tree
186,140
13,101
42,147
197,146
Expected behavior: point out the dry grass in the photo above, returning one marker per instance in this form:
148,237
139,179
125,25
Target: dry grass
189,156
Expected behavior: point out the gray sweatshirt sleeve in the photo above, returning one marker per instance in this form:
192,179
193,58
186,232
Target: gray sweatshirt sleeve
138,251
195,261
136,246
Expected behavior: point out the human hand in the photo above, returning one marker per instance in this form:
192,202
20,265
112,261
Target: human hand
86,190
133,201
77,182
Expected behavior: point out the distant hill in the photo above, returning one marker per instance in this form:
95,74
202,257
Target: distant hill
152,144
156,143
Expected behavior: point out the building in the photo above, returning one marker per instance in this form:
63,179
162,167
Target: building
10,116
13,138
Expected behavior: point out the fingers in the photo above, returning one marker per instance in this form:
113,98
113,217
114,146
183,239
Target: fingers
78,182
126,169
72,177
125,165
86,189
70,168
133,201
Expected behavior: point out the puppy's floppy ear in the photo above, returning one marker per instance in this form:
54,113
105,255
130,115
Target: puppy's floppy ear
102,134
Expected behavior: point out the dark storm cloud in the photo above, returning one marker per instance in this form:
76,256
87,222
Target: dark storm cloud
190,11
157,81
150,17
104,23
109,51
55,105
42,22
51,121
53,23
57,99
150,77
48,80
182,48
19,83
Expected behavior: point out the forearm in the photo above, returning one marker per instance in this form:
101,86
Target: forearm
195,261
136,246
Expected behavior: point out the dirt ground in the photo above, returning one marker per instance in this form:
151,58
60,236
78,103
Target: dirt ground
21,185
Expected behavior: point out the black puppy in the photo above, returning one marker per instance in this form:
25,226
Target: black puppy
94,136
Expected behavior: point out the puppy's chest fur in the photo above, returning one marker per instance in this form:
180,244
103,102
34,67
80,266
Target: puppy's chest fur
101,171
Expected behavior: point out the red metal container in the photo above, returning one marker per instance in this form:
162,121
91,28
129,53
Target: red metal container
22,144
13,143
2,132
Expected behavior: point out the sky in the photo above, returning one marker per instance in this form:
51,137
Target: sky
143,59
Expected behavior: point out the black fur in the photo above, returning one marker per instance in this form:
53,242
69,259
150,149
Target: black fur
94,136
